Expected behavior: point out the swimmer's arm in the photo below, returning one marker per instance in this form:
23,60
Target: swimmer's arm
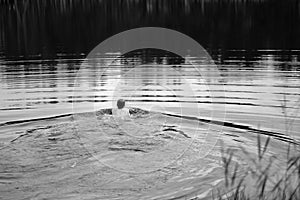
132,116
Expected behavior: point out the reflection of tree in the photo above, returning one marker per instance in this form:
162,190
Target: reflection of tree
146,56
151,67
29,27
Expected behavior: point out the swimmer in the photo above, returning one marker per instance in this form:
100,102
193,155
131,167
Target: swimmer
121,112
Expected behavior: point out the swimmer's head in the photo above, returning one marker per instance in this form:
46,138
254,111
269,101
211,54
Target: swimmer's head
121,103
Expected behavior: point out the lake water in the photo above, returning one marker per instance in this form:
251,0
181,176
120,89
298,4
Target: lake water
171,152
37,97
253,92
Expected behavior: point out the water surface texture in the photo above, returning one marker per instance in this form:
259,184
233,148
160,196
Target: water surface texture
254,92
171,152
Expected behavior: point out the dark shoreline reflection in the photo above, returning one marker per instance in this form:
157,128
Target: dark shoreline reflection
48,29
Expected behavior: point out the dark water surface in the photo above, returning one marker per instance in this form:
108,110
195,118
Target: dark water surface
42,29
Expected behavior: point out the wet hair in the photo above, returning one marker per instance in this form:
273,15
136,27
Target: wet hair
121,103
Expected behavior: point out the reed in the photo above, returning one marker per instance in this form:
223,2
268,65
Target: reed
267,181
263,179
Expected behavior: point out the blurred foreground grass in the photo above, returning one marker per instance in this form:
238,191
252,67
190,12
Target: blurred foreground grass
263,179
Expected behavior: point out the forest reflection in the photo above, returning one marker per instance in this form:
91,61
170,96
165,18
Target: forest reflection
51,29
